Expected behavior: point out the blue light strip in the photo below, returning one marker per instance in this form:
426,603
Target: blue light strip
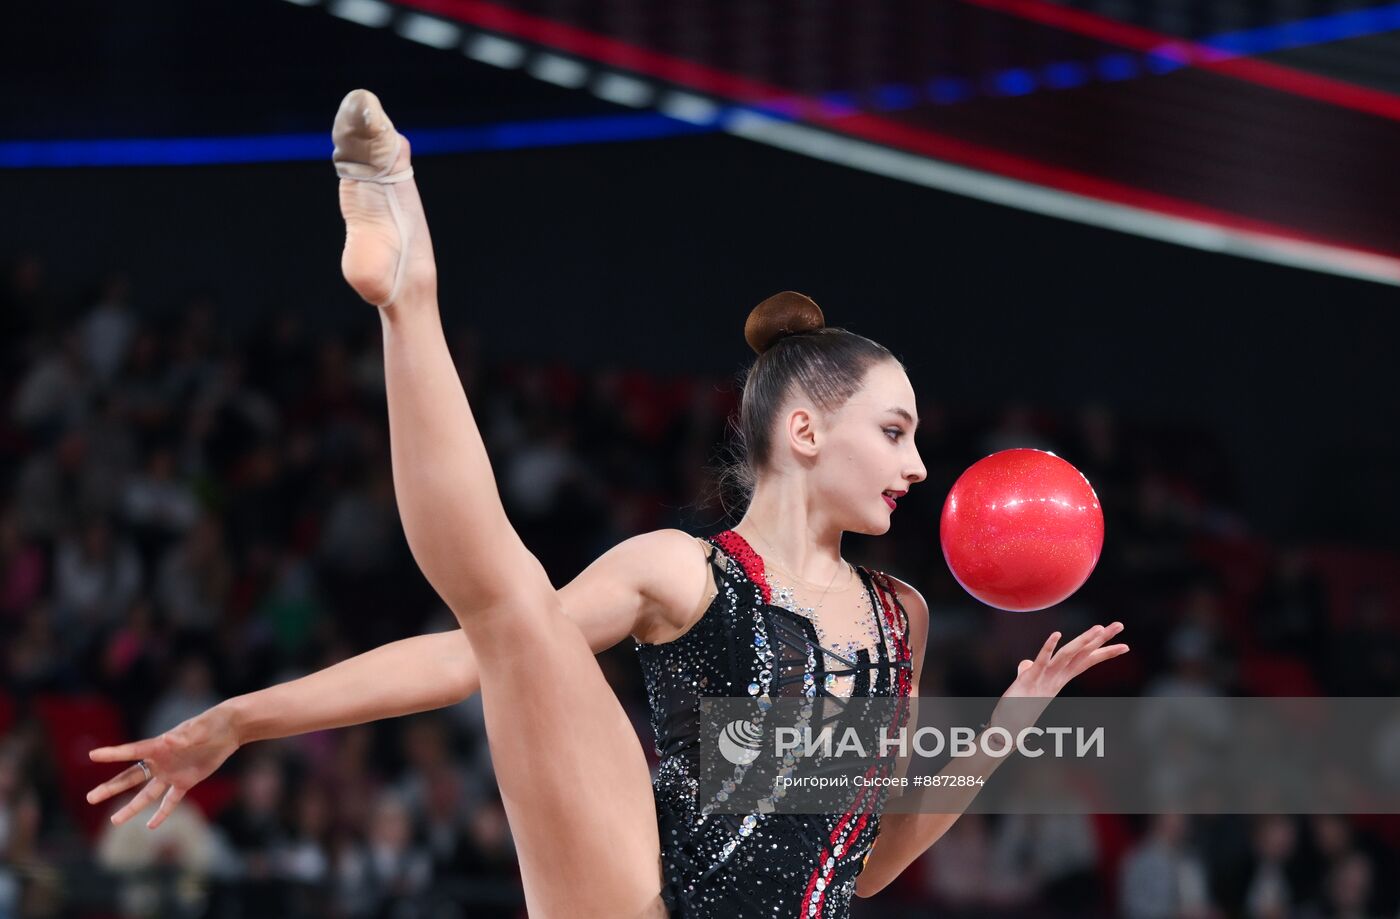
1118,66
1316,31
943,90
561,132
197,151
1112,67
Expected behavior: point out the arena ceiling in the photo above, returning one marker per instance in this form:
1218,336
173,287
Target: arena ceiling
1266,130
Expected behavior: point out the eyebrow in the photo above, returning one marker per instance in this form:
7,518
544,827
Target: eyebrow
903,414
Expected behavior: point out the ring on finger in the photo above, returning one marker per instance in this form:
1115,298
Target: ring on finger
145,768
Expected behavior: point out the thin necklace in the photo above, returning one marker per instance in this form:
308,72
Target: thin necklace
844,586
830,679
821,599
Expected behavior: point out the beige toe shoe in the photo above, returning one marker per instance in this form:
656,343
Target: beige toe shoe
366,147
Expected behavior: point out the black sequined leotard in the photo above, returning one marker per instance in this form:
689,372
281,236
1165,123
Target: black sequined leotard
763,864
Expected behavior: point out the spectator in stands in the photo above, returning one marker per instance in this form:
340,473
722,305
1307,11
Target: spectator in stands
23,568
388,874
269,436
195,578
1271,879
162,872
254,831
52,397
1348,890
1054,857
1162,877
305,857
1365,653
437,787
134,656
1289,615
34,658
10,791
51,489
144,389
1339,870
486,859
97,574
108,328
962,872
157,501
190,692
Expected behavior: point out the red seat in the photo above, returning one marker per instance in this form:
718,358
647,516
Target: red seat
76,724
1114,835
1350,573
213,795
1277,675
1386,827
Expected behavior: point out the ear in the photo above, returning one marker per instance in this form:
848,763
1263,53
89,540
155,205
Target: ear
802,431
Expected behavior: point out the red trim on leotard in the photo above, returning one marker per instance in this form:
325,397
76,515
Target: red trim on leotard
738,548
821,871
900,633
889,603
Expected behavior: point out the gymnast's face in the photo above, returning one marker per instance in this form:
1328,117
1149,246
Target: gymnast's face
854,455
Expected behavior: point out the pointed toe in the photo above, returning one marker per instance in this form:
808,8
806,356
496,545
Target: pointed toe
364,137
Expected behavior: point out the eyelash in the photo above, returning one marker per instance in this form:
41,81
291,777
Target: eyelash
897,431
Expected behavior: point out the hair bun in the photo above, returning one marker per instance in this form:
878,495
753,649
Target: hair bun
787,313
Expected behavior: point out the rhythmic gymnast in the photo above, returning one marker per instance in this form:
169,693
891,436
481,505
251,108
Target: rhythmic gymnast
827,425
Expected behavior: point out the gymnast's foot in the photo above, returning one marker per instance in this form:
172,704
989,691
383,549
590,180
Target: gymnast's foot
388,257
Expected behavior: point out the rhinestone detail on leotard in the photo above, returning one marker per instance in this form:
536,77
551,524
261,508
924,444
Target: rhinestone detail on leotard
748,644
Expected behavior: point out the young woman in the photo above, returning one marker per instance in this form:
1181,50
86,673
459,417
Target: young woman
827,423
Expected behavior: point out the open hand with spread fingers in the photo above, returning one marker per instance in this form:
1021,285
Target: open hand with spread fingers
167,766
1045,676
1040,680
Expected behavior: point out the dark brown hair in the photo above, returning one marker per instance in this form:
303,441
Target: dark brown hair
795,349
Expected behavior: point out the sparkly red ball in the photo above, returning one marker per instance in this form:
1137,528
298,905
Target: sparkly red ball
1021,530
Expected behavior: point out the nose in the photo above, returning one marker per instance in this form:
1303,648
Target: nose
916,473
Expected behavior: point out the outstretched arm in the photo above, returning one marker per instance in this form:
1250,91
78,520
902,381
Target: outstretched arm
400,678
631,588
904,837
411,675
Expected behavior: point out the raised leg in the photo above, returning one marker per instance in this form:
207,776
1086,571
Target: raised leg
570,767
571,770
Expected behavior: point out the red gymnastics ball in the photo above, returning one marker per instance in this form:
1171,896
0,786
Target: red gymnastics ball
1021,530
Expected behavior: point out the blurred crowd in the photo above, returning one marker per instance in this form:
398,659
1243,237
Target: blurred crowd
190,513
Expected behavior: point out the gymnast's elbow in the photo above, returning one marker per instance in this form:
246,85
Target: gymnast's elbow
868,886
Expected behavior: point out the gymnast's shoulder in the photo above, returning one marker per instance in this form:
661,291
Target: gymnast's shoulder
915,608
